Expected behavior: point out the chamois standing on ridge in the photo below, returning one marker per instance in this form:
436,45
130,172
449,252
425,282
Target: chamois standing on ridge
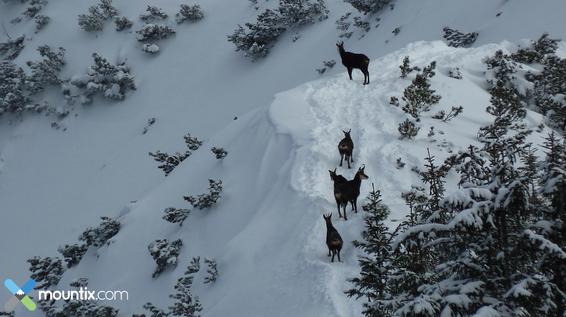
348,192
333,239
346,148
353,60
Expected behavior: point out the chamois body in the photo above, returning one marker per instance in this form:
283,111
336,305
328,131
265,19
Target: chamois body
354,61
346,148
333,239
348,192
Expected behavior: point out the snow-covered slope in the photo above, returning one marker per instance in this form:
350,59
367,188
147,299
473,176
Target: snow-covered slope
266,234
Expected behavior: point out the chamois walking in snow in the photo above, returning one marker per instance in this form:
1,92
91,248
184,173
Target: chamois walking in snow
348,192
345,148
333,238
353,60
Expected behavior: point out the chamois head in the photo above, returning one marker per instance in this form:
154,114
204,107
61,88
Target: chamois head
340,46
327,218
361,174
332,174
347,134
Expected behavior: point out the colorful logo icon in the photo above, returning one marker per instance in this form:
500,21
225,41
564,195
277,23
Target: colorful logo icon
20,295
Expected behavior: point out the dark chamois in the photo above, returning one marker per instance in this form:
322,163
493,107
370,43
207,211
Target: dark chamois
333,238
345,148
348,192
352,60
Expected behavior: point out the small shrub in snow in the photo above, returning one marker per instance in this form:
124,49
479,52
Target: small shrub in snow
396,31
122,23
185,305
46,271
394,101
72,254
32,10
301,12
192,142
164,253
326,65
176,215
408,129
360,24
150,122
154,311
342,24
97,14
191,13
456,38
11,49
368,6
406,67
194,265
418,96
150,48
101,234
41,21
204,201
153,13
111,81
454,72
212,271
154,32
46,72
399,163
257,38
13,95
81,308
219,153
537,51
169,161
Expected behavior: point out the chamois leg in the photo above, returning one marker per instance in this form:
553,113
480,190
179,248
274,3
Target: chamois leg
339,256
350,73
348,159
338,207
328,251
345,205
355,205
341,159
333,253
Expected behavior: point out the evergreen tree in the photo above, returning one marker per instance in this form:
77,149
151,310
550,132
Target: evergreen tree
46,271
212,271
191,13
185,304
73,253
176,215
375,264
164,253
205,201
418,96
369,6
101,234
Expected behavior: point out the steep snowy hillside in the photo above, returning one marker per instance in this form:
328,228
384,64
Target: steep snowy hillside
267,233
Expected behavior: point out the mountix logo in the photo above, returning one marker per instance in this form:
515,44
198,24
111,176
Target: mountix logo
20,295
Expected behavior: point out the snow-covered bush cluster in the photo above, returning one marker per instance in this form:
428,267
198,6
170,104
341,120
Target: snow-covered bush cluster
256,39
101,234
46,271
408,129
73,253
153,13
191,13
122,23
103,78
186,304
11,49
46,72
97,15
456,38
369,6
219,153
154,32
406,68
176,215
17,88
164,253
326,65
208,200
170,161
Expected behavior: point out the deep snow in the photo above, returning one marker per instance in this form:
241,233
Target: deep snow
267,233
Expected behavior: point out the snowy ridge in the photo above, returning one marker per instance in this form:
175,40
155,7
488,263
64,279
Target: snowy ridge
267,233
